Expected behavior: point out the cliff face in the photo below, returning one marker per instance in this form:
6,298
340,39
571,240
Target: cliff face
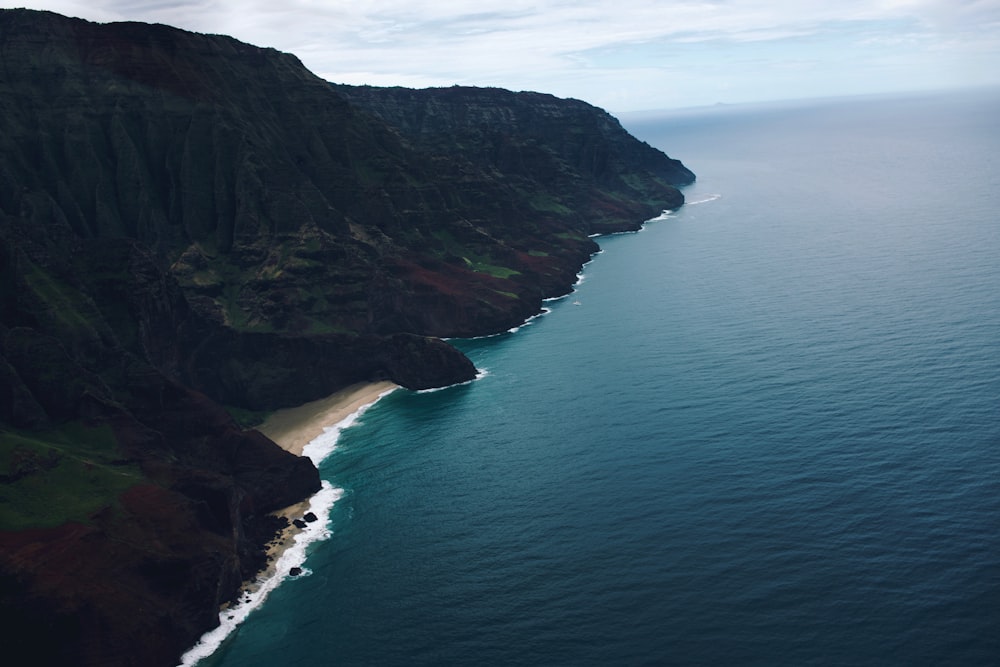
188,221
131,505
561,158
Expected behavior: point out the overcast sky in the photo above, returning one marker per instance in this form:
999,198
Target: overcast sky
622,55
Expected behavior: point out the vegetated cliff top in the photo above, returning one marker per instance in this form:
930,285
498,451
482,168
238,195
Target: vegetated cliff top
187,221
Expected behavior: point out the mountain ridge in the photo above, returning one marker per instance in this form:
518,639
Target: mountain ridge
189,222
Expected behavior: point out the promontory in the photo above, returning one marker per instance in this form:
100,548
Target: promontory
195,231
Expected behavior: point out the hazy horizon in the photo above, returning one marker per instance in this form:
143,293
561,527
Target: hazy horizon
631,55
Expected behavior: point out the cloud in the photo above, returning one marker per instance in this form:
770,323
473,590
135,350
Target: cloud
573,48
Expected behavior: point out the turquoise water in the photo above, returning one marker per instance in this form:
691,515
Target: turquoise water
764,430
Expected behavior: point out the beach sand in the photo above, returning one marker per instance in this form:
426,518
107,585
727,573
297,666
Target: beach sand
294,428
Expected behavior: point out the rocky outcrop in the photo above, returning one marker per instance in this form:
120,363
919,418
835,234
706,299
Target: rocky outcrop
132,505
283,203
565,155
186,222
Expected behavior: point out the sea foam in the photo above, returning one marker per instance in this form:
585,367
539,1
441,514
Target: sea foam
322,446
703,200
480,374
293,556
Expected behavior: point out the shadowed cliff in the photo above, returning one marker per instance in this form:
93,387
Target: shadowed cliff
189,222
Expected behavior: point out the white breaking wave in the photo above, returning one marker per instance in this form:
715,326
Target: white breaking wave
480,374
704,200
665,214
292,556
322,446
531,320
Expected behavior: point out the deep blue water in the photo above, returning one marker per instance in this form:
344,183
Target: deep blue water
768,432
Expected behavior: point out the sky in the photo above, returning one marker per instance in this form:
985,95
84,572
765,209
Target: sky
622,55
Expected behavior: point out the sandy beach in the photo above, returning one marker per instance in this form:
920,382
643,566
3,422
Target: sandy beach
294,428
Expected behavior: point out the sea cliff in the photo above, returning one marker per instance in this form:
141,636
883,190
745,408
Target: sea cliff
193,228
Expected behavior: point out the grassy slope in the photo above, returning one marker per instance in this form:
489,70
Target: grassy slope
60,475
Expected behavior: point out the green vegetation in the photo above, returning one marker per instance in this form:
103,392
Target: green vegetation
549,204
634,181
60,300
67,474
481,263
493,270
247,418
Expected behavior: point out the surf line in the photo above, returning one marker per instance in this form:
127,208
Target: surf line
289,557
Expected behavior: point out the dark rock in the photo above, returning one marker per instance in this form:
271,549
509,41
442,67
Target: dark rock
187,221
295,571
572,156
299,523
309,517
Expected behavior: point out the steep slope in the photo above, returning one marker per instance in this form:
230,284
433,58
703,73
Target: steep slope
187,221
534,176
556,155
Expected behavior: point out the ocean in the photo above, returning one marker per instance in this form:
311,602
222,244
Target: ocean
765,430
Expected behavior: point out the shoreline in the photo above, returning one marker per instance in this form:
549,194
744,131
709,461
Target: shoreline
311,430
294,429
